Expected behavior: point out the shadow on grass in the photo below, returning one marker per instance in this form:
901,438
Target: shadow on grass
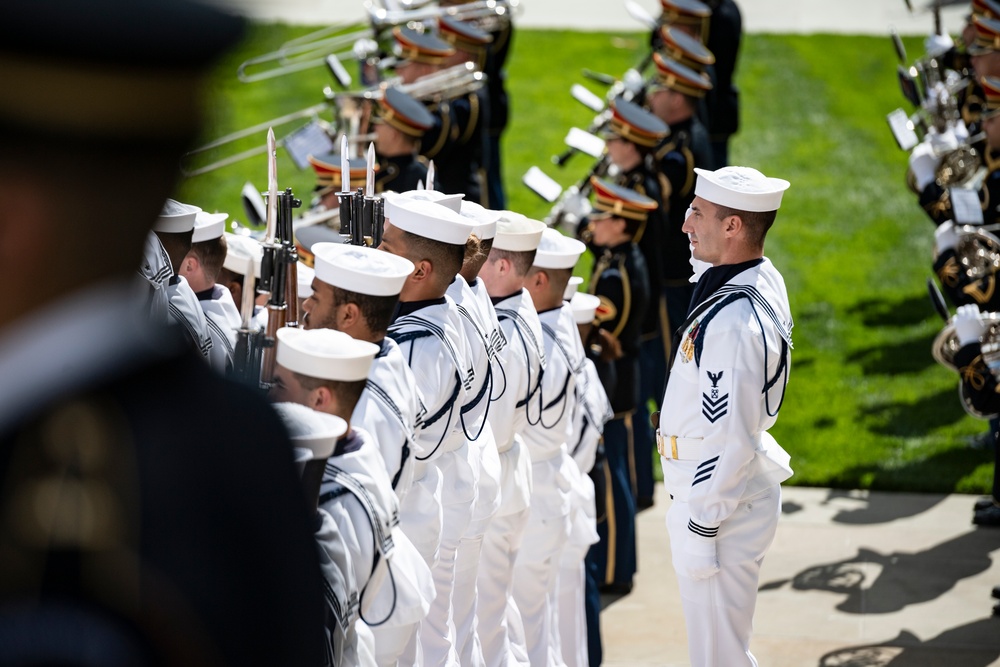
883,583
975,644
905,312
915,418
906,356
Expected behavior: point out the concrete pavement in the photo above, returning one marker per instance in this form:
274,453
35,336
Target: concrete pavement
861,17
853,579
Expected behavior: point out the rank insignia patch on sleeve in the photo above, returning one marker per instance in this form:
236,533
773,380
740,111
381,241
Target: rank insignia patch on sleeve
715,396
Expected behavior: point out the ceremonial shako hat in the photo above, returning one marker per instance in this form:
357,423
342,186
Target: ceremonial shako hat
208,226
619,201
991,93
317,432
429,220
633,123
176,217
327,168
421,47
584,306
672,74
404,113
685,49
453,202
325,354
741,188
516,233
132,69
987,8
556,251
240,251
686,12
571,287
483,219
987,36
360,269
464,36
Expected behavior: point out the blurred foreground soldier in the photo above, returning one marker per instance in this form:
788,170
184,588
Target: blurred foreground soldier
400,124
429,330
553,471
515,408
724,389
620,280
975,363
200,268
175,228
108,412
356,290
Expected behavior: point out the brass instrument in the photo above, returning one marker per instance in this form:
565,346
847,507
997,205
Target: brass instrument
446,84
978,252
946,346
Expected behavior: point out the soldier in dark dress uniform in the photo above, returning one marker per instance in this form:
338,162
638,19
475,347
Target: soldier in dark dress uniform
400,124
159,532
724,31
632,137
621,281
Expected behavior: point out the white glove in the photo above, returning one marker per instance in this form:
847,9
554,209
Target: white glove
700,560
945,236
364,47
968,327
923,164
633,82
942,142
575,204
937,45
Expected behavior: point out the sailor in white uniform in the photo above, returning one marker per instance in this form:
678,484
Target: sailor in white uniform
174,229
242,252
200,268
155,273
515,407
725,386
327,370
553,471
355,290
314,436
429,330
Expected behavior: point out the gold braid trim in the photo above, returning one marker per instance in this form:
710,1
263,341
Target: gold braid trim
971,374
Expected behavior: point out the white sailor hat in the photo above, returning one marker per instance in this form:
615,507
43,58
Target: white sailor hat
240,250
208,226
305,274
360,269
429,220
517,233
453,202
325,354
741,188
571,287
317,432
176,217
557,251
583,306
484,219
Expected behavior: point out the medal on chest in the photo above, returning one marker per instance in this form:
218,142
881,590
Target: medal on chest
687,345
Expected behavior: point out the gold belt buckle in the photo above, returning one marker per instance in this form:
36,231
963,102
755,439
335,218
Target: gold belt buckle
673,446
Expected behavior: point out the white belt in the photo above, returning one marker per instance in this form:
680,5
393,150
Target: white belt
678,448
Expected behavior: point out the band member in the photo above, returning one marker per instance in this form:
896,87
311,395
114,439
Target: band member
514,408
356,290
200,268
725,387
620,280
201,547
428,328
552,469
400,125
725,28
691,16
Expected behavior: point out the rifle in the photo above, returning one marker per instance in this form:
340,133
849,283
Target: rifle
362,214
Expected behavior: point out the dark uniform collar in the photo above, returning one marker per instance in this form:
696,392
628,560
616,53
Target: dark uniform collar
206,294
717,276
348,444
498,299
410,307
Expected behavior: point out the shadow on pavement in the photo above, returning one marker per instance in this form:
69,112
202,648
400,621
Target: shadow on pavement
976,644
881,507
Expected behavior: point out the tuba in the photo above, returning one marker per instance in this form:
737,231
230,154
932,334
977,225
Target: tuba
946,346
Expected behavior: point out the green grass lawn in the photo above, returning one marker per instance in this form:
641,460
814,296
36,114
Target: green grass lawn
867,406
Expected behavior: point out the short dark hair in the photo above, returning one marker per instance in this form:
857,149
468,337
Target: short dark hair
212,255
756,222
447,258
348,393
377,310
521,260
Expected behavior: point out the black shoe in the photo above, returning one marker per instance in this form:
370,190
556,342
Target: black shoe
984,502
996,592
643,503
616,588
996,610
987,517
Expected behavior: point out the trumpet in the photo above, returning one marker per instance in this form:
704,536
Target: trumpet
446,84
